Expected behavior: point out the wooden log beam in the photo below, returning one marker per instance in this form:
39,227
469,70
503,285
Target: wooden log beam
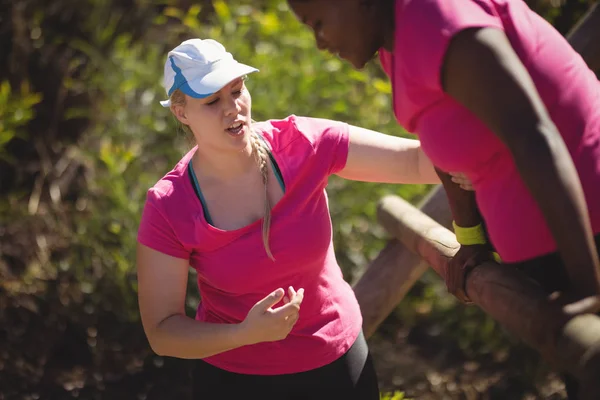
508,296
390,276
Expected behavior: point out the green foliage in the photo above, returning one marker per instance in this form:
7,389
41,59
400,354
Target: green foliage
393,396
16,110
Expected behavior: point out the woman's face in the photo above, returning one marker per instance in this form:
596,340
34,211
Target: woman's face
347,28
220,121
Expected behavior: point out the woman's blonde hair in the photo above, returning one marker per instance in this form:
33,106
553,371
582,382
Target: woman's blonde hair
261,155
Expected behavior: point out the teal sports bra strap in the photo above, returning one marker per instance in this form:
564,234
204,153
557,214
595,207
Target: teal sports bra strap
196,186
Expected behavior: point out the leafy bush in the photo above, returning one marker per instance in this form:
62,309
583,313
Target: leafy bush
16,110
393,396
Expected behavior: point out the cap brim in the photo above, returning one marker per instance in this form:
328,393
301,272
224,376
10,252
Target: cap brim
213,81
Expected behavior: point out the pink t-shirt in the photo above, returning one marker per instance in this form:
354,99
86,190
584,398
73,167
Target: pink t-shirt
234,271
456,140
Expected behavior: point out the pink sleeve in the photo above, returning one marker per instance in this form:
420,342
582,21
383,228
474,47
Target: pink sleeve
427,28
156,232
385,61
330,141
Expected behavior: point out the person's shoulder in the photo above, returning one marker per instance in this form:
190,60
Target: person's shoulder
283,132
414,14
276,126
169,188
449,12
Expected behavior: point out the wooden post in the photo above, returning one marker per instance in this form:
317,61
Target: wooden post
391,275
521,306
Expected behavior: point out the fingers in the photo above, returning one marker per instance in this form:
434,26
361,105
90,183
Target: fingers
461,180
287,309
299,296
291,294
272,299
477,259
292,307
453,278
455,281
295,297
293,313
586,305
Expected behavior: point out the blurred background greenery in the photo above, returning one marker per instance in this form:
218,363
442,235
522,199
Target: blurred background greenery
82,138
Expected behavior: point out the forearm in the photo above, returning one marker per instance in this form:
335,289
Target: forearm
182,337
376,157
426,171
547,169
463,205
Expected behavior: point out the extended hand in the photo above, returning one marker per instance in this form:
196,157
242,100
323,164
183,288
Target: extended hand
265,324
461,180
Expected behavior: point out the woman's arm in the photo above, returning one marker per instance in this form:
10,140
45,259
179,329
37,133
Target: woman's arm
376,157
483,73
162,282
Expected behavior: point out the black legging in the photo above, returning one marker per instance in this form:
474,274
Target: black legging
350,377
549,271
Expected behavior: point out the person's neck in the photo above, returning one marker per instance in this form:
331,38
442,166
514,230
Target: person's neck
221,166
388,17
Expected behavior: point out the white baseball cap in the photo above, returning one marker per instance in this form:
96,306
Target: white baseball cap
200,68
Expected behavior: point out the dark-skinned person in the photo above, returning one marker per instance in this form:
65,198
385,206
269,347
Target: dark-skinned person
492,90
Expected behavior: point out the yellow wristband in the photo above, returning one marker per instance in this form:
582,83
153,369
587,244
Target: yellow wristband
497,257
469,236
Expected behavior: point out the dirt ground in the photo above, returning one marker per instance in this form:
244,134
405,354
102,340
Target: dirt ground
54,361
426,367
55,346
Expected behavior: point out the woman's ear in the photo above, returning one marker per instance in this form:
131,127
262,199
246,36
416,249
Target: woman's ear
179,113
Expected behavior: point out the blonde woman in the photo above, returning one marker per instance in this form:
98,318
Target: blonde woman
247,208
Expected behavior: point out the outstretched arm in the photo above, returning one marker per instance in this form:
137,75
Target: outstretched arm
377,157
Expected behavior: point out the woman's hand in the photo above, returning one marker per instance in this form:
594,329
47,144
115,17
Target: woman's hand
266,324
467,258
461,180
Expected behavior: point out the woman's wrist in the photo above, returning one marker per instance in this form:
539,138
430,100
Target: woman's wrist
472,235
468,236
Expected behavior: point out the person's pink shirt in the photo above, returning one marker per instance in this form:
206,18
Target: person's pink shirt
234,271
456,140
